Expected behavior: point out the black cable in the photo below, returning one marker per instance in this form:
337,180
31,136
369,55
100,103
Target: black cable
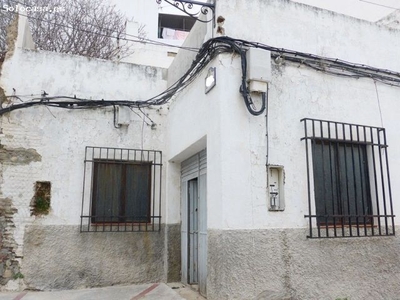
115,117
139,39
209,50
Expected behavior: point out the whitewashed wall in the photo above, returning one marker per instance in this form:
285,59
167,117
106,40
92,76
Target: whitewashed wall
236,144
60,135
295,26
365,10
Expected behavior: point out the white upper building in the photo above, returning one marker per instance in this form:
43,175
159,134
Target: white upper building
370,10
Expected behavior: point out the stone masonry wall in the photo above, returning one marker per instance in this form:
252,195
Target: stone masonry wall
9,266
9,258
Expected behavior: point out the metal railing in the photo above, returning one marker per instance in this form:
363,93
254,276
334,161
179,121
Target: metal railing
121,190
349,191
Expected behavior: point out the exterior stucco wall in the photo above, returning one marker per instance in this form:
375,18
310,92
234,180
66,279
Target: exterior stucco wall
245,263
391,21
236,141
58,137
295,92
295,26
60,257
357,9
197,36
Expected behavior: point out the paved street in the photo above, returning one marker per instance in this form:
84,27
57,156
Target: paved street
157,291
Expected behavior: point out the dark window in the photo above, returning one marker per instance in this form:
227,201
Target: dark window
341,182
349,191
167,22
121,190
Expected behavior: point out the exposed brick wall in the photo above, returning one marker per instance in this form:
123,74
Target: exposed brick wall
9,266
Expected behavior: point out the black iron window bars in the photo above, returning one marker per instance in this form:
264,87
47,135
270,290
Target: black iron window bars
349,192
121,190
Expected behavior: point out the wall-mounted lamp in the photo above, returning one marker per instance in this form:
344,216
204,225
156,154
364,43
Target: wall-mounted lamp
211,79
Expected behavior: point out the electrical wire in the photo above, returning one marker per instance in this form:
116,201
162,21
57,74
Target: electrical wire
138,39
209,50
377,4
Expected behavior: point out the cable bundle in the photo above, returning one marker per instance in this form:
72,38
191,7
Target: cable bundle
208,52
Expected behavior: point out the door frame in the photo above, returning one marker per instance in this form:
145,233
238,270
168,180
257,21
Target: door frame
192,168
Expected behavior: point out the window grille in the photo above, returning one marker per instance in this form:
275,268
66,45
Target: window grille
121,190
349,192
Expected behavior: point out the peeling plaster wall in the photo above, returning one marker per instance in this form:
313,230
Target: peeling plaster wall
18,156
9,259
40,144
9,264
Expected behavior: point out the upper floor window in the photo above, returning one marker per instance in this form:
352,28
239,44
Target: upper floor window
174,27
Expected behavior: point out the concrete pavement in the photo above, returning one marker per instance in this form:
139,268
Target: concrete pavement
156,291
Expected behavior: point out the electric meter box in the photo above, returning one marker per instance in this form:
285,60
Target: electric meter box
258,69
123,115
275,187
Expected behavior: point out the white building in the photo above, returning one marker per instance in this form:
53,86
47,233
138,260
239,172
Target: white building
296,201
369,10
160,28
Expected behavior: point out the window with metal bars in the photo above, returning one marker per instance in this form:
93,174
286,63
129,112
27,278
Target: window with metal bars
122,190
348,179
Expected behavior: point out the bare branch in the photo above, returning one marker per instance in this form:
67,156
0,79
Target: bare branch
91,28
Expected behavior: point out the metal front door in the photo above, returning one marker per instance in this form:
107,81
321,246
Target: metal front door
194,221
193,231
